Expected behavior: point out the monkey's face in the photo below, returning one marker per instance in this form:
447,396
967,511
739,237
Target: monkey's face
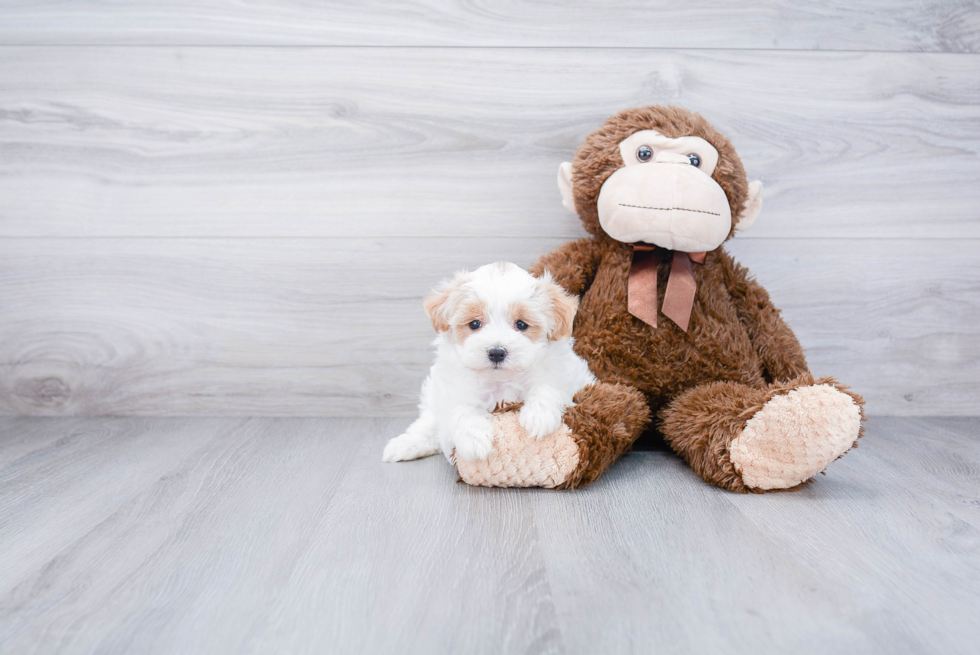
661,176
664,194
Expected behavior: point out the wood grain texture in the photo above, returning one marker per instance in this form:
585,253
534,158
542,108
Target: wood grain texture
290,535
909,532
243,326
55,493
894,319
950,26
309,327
681,584
859,547
464,142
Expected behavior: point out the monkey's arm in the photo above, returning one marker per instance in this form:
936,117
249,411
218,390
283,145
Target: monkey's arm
572,265
779,349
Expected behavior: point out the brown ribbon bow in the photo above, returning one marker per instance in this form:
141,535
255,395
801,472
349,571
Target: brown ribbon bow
681,286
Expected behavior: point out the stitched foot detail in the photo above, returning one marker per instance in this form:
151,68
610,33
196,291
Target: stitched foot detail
795,436
519,461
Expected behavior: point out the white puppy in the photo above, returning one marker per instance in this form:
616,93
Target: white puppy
504,336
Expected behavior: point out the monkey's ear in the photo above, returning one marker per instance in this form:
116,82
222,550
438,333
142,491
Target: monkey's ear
565,186
753,205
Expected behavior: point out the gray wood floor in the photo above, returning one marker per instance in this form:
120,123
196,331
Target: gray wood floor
236,535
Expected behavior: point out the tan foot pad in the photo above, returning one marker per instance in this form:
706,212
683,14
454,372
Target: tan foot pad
519,461
795,436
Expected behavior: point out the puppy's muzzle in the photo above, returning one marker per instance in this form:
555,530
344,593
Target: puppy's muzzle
496,355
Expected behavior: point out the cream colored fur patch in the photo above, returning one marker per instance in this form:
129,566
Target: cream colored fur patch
795,436
519,461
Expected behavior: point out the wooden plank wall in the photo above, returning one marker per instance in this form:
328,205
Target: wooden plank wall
224,208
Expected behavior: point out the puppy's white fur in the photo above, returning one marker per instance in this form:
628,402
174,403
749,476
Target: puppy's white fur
464,384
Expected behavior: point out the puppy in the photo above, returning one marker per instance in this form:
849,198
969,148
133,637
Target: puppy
504,337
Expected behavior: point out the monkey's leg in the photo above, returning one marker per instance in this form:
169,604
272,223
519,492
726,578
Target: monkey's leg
746,439
602,425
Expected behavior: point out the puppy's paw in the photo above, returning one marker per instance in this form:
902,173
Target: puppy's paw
474,440
407,446
540,419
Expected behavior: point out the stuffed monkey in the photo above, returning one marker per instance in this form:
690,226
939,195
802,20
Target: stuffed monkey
681,338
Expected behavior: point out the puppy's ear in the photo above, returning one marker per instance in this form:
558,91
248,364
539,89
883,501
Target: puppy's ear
439,304
563,308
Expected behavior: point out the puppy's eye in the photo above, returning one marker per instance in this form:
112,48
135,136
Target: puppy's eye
520,325
695,160
475,325
644,153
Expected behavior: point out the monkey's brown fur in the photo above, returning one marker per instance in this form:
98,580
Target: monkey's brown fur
699,387
614,412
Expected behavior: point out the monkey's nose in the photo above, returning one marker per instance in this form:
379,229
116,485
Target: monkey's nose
496,354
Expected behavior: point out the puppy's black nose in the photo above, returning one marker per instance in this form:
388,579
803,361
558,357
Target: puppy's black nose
496,355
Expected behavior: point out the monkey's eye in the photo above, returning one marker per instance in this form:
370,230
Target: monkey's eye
644,154
475,325
520,325
695,160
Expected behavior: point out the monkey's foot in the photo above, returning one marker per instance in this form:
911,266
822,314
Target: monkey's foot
601,426
519,461
795,436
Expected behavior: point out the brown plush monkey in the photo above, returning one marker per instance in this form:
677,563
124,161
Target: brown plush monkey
677,333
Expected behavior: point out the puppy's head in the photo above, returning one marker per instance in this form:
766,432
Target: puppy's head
499,317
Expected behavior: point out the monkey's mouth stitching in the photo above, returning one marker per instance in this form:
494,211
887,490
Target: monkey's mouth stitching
667,209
